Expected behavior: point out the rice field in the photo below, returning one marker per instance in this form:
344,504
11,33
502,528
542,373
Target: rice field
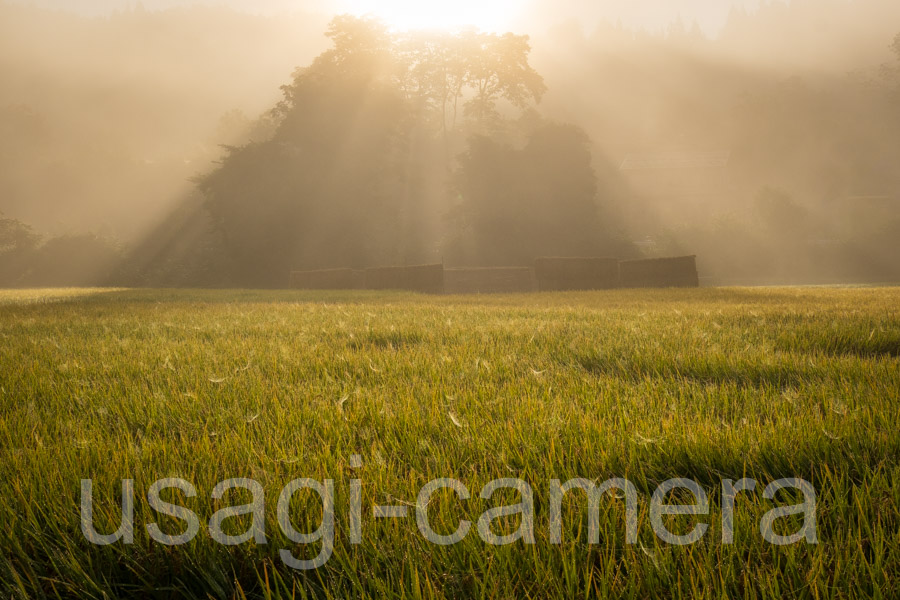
393,390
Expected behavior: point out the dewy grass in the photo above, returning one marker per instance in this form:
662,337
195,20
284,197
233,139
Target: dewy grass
273,386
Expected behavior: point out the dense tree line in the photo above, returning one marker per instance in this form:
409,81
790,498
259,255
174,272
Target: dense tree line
515,186
29,259
515,204
420,147
342,180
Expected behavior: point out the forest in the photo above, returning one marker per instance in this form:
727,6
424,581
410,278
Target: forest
202,156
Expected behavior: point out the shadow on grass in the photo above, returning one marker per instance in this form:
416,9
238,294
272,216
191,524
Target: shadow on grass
742,375
874,345
385,340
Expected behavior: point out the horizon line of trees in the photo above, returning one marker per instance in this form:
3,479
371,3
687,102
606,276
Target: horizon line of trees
72,259
359,169
395,148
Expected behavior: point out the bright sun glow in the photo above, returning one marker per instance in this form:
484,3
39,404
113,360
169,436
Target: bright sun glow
487,15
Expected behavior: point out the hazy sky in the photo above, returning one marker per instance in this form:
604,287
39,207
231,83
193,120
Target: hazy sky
492,14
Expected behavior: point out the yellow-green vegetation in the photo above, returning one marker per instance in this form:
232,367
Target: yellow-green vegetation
648,385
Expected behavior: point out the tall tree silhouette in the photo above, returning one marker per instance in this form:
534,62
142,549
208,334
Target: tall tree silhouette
540,200
498,69
323,191
340,180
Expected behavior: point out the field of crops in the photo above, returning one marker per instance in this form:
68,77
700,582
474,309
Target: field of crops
207,386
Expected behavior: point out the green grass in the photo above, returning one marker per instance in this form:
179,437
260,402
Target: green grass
648,385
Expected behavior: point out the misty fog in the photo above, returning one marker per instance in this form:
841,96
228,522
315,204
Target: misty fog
166,144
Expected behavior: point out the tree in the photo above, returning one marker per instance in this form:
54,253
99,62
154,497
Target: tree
340,181
324,190
18,244
497,68
438,74
890,72
76,260
16,236
444,69
517,204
